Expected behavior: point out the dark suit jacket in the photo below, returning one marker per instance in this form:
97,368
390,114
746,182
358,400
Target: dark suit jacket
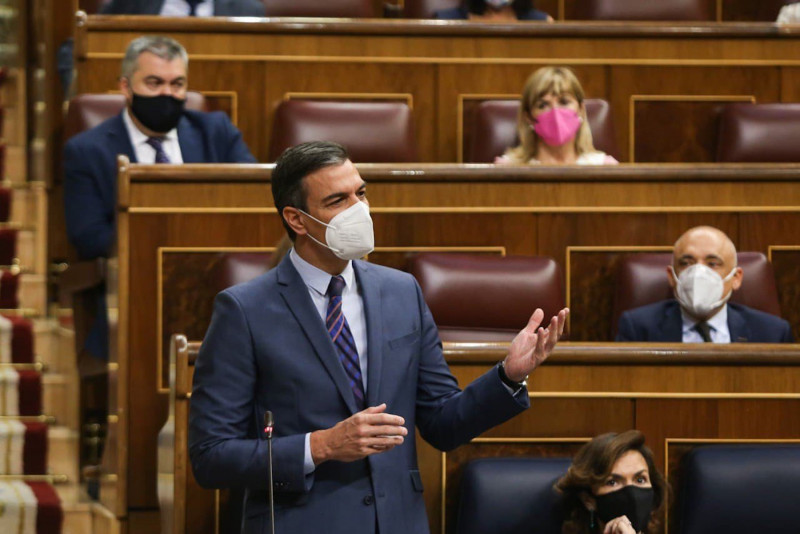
222,8
90,184
268,349
661,322
462,13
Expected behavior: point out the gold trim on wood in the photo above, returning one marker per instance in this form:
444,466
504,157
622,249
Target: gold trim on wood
46,419
781,248
581,248
460,118
234,96
161,387
408,98
671,98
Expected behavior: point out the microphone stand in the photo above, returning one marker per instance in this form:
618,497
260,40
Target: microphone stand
269,424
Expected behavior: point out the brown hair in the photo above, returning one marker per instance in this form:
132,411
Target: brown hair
546,80
592,466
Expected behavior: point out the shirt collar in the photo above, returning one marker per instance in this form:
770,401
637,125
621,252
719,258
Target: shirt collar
319,280
718,322
137,136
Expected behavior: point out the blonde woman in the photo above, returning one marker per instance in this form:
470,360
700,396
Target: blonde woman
552,124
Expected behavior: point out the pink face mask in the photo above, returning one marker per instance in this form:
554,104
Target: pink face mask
557,126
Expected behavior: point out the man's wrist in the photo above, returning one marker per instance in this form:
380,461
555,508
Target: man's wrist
508,381
318,447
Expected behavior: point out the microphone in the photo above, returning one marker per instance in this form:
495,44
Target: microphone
269,424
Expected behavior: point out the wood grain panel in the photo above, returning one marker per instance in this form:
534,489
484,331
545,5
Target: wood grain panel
786,263
790,84
687,128
745,10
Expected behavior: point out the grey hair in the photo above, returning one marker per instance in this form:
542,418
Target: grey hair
166,48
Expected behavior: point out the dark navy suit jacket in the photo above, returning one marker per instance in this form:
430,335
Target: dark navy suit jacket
267,348
661,322
461,13
222,8
90,184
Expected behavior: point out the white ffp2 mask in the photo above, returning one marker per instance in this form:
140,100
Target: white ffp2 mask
699,289
349,233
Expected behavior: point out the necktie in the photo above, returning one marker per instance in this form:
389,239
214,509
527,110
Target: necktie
343,340
157,144
705,331
193,6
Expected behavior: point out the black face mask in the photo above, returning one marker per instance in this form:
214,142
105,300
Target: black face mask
158,113
631,501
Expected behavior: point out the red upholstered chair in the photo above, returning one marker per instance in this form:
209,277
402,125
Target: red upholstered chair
424,9
486,298
88,110
238,267
642,279
494,129
317,8
643,10
751,133
372,132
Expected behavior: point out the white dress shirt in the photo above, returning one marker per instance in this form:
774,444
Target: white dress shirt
144,152
179,8
720,333
317,282
790,14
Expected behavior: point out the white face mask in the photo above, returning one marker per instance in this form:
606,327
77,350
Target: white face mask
497,4
699,289
349,233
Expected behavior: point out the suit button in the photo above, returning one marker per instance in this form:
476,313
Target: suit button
369,499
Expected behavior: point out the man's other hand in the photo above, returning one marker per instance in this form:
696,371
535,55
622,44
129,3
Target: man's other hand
360,435
533,344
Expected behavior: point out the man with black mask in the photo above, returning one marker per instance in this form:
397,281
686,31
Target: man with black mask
154,127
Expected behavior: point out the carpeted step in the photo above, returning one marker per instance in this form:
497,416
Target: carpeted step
20,392
23,448
9,288
8,245
21,342
5,192
30,508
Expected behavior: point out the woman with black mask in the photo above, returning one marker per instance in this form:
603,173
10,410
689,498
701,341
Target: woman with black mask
494,11
613,487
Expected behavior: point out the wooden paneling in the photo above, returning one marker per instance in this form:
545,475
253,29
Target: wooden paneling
786,262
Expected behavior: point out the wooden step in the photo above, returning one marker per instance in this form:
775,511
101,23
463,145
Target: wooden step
33,293
61,358
77,508
11,126
62,458
60,398
16,170
26,250
29,206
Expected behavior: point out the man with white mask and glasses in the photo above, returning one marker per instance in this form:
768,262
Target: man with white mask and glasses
346,356
703,276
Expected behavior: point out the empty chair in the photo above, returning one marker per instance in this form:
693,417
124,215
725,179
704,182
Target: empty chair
372,132
494,129
315,8
740,489
638,10
486,298
425,9
237,267
751,133
642,279
511,495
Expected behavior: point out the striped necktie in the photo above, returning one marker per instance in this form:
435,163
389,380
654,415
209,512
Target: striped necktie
343,340
704,329
158,146
193,7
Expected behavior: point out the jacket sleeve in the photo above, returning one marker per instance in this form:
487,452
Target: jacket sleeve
226,445
90,223
447,417
236,151
625,329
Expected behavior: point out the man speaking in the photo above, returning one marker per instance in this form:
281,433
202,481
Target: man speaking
347,357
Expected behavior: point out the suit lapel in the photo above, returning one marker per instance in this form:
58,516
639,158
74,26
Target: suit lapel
737,326
190,141
369,285
670,329
119,141
295,294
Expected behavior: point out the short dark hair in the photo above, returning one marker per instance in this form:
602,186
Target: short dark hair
521,7
296,163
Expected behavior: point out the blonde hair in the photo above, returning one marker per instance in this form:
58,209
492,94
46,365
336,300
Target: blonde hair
547,80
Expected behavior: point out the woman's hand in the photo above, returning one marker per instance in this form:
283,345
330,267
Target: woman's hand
619,525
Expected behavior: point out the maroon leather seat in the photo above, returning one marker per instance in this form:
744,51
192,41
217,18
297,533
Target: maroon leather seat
751,133
372,132
486,298
237,267
424,9
643,10
88,110
494,129
316,8
642,279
